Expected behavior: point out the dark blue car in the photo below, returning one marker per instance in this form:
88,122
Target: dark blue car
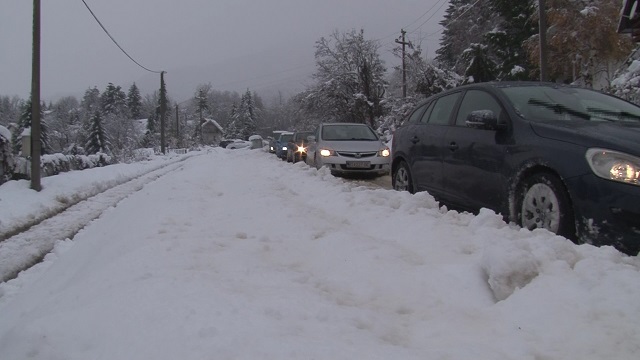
543,155
281,144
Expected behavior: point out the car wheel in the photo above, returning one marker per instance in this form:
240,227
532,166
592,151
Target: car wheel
401,178
544,203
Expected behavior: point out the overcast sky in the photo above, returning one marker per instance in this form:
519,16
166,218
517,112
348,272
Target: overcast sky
232,44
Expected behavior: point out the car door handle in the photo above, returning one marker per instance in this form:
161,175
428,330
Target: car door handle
453,146
415,140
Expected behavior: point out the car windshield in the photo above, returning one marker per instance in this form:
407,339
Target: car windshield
568,103
285,137
302,136
348,132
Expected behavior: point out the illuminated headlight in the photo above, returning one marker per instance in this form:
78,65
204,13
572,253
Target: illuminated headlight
613,165
284,148
271,148
384,152
301,149
327,152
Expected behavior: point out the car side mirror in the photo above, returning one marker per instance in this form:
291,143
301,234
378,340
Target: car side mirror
482,119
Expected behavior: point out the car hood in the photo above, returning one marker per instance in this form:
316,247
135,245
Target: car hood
614,136
353,145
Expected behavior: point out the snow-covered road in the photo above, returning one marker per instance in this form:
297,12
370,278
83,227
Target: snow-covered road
238,255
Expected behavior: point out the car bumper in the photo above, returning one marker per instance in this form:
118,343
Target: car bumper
374,165
607,212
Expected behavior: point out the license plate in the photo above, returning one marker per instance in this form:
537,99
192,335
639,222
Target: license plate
358,164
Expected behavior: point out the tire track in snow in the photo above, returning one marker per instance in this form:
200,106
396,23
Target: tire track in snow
22,251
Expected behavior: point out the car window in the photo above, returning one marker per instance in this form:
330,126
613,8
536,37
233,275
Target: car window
348,132
425,116
476,100
416,115
569,104
442,109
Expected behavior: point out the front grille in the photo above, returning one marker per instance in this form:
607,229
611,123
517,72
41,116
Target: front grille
357,155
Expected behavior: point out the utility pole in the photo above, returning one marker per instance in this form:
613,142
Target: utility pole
35,100
542,15
163,110
178,127
404,69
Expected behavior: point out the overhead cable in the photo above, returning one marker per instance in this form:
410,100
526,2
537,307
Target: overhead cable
115,42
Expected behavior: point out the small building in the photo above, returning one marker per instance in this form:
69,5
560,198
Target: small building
6,155
630,19
212,132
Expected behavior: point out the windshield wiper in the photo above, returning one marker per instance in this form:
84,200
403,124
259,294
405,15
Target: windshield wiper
559,108
618,114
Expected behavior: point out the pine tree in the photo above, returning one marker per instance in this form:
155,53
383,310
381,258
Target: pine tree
113,100
134,102
98,141
480,68
25,123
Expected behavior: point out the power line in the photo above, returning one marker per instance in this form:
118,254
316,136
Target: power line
421,16
114,40
454,20
443,2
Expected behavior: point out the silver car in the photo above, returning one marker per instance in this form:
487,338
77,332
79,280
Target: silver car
348,148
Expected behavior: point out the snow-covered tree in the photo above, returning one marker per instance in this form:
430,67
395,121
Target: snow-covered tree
113,100
506,40
465,22
25,122
424,77
134,102
9,110
98,140
350,79
479,67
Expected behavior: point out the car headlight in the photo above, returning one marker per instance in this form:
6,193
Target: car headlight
284,148
613,165
384,152
301,149
327,152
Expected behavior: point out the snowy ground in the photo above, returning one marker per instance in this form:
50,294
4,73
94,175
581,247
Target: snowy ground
235,254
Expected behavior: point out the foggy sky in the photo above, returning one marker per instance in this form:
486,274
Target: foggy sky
232,44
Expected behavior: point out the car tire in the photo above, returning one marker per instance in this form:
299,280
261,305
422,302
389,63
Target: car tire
401,178
543,202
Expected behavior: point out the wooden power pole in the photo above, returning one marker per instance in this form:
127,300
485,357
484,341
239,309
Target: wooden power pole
35,100
404,68
163,111
542,15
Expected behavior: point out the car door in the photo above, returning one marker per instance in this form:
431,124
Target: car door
428,147
474,157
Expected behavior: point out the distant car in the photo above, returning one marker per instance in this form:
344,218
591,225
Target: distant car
281,144
348,148
543,155
239,144
297,146
273,139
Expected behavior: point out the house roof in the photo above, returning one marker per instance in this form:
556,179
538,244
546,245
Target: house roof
630,18
215,123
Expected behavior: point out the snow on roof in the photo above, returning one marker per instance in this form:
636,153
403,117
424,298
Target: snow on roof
214,123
